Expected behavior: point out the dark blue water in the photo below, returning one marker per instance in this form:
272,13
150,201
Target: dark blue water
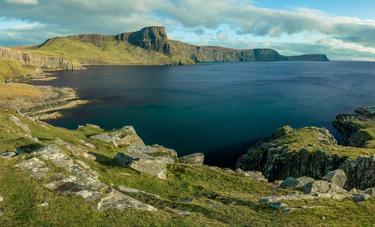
217,109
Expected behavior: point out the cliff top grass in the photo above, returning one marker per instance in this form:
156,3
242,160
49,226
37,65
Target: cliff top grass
11,70
314,139
112,52
215,197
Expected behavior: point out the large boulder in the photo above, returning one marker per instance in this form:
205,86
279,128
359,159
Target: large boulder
196,159
153,149
154,166
123,137
296,183
320,186
120,201
337,177
35,167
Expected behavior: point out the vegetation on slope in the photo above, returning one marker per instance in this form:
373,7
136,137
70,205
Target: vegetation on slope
12,71
207,195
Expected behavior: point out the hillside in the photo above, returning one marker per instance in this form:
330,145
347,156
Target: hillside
113,178
151,46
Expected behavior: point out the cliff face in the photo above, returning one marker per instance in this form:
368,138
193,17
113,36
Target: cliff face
46,62
154,40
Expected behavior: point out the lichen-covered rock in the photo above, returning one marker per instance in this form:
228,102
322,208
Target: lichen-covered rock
196,159
320,186
296,183
119,201
34,167
256,175
155,166
337,177
283,131
153,149
20,124
123,137
370,191
360,197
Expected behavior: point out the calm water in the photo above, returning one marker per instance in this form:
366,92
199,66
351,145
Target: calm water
217,109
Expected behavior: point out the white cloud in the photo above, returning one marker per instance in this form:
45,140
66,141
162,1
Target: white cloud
198,21
26,2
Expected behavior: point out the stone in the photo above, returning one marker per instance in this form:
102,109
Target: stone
256,175
229,170
36,168
77,151
272,203
370,191
154,166
360,197
153,149
122,137
296,183
320,186
120,201
1,199
8,154
337,177
195,159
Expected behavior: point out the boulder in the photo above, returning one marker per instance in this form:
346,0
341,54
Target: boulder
119,201
256,175
370,191
154,166
196,159
8,154
360,197
153,149
36,168
122,137
320,186
337,177
296,183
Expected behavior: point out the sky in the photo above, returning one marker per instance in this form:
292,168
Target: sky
342,29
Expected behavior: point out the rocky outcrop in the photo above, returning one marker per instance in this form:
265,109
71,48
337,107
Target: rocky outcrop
311,152
154,166
122,137
196,159
357,129
150,38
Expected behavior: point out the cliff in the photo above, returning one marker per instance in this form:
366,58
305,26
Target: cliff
151,45
314,152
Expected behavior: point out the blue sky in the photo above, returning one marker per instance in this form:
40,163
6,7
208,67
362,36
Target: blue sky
344,30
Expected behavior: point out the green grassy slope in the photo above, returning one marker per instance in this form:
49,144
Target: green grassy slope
12,70
218,198
112,52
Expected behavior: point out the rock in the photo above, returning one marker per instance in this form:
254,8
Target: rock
77,151
320,186
360,197
296,183
337,177
122,137
44,204
272,204
283,131
370,191
360,172
252,174
154,166
34,167
230,171
133,190
153,149
184,200
196,159
20,124
1,199
8,154
120,201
